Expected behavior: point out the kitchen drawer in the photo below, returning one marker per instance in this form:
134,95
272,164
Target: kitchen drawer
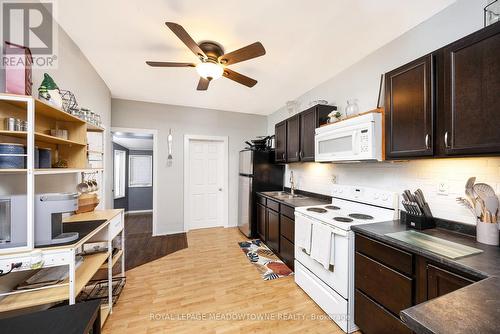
287,228
115,225
386,286
288,211
371,318
287,250
261,200
387,255
273,205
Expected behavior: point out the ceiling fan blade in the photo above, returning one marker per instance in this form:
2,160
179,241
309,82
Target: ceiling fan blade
239,78
203,84
169,64
248,52
180,32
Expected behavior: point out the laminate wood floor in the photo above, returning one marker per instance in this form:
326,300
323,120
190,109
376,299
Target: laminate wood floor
211,287
141,247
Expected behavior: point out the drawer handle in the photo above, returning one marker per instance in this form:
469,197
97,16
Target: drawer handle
446,140
427,144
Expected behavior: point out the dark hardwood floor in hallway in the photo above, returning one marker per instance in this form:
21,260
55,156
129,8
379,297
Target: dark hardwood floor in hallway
141,247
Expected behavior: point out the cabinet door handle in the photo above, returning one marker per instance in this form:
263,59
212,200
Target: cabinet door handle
296,154
301,155
283,156
446,140
427,144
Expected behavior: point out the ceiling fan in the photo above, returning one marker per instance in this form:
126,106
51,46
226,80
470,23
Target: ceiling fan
213,62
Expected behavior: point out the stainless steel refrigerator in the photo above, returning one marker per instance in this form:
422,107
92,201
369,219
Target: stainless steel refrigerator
257,172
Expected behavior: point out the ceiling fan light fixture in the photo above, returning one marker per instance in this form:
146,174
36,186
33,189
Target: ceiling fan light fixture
210,70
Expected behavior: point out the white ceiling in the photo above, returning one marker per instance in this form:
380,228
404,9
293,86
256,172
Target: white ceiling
134,144
307,42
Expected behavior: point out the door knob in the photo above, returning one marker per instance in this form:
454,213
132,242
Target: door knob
220,189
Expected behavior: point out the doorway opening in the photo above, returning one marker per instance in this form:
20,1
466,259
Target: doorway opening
134,176
206,201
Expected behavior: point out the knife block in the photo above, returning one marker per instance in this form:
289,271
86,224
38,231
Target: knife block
417,222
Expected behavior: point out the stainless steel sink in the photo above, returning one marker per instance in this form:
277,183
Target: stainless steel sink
283,195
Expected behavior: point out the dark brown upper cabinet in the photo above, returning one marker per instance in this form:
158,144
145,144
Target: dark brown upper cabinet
453,93
409,110
295,135
469,94
311,119
280,141
293,139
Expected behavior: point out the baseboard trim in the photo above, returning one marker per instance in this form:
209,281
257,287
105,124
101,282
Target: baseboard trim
169,233
137,212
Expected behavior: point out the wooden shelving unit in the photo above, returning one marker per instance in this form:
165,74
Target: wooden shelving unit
116,257
12,171
84,273
94,128
47,117
105,310
50,171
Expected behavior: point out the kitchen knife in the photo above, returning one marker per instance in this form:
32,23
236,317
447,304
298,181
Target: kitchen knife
426,209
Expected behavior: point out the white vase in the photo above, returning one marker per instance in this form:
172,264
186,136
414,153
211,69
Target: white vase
487,233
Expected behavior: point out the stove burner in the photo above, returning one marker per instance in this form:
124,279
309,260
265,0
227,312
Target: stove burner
332,207
360,216
318,210
343,219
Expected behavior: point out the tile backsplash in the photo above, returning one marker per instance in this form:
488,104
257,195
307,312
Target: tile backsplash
432,176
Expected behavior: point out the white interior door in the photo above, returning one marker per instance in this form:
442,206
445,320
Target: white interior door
205,184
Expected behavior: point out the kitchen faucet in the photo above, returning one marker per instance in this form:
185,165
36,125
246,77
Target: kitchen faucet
292,184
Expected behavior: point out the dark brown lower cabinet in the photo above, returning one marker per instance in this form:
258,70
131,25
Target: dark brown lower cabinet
276,228
441,282
388,280
261,221
388,287
273,230
287,252
374,319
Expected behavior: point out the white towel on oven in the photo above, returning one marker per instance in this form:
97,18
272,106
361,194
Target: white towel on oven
321,245
303,233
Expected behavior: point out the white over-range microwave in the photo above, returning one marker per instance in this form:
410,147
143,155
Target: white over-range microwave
354,139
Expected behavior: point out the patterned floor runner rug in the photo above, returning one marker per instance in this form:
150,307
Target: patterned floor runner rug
266,262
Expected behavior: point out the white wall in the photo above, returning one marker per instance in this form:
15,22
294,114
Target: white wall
362,81
397,176
75,73
193,121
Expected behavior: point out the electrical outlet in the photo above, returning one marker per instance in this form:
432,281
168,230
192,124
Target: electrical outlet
443,189
334,179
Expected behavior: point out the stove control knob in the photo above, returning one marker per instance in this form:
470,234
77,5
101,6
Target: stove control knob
341,191
385,197
376,196
334,191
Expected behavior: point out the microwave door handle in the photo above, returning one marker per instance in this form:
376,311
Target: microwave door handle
355,142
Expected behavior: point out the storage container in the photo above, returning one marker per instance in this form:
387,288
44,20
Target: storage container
12,156
45,157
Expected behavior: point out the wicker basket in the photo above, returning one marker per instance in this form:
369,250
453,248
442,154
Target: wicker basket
87,202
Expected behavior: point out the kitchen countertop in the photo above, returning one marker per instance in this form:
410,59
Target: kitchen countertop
472,309
309,200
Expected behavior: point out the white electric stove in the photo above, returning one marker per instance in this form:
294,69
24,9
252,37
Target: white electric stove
333,289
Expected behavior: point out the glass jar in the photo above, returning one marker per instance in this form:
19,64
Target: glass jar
352,108
492,12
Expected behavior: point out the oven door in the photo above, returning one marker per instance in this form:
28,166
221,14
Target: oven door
337,279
